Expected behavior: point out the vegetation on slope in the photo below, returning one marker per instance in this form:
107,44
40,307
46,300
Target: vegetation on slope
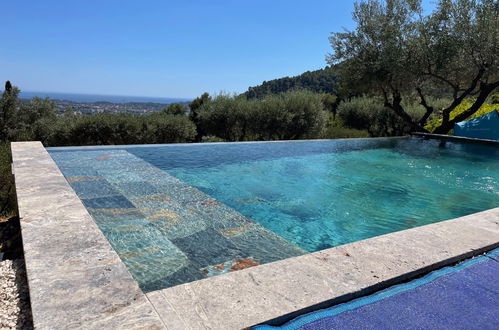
318,81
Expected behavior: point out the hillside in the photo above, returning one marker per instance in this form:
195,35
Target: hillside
319,81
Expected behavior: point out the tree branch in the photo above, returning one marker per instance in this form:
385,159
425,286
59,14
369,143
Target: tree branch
446,112
429,109
396,106
455,87
485,90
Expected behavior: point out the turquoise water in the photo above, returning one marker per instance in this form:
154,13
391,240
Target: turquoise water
184,212
326,193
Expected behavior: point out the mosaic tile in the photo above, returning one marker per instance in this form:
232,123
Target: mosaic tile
174,225
79,171
219,216
155,175
93,189
169,216
112,202
135,189
143,200
263,245
83,178
114,214
147,253
108,221
229,266
184,275
117,175
182,193
207,247
103,157
151,206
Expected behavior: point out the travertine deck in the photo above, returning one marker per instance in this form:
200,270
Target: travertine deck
77,280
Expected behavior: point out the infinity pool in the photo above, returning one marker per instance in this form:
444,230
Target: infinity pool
179,213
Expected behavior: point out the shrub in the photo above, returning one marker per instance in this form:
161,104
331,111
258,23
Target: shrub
369,113
357,112
7,189
338,132
211,138
287,116
113,129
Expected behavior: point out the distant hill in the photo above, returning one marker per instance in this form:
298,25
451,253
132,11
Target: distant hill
319,81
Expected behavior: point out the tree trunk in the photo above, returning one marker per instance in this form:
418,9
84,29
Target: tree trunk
447,124
396,106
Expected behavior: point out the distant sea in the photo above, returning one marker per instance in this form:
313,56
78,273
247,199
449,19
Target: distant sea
101,98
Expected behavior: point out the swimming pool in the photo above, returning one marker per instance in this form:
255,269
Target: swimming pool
179,213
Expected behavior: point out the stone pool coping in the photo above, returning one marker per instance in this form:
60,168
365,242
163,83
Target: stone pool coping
77,280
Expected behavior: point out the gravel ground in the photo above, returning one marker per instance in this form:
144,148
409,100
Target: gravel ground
15,310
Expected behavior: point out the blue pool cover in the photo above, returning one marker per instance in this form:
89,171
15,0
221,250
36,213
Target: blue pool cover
484,127
465,296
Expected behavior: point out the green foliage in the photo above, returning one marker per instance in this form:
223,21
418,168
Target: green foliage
335,132
211,138
286,116
369,113
114,129
483,110
7,193
194,113
319,81
330,103
396,51
175,109
29,113
8,108
198,101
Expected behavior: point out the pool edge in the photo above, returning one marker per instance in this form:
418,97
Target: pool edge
75,277
186,144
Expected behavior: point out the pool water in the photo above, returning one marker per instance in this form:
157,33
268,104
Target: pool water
234,205
322,199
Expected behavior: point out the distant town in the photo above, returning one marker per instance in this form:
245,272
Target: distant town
92,104
141,108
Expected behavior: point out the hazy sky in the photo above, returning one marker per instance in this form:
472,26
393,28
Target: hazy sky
163,48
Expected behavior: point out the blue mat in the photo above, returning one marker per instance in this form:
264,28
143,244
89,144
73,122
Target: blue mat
484,127
465,296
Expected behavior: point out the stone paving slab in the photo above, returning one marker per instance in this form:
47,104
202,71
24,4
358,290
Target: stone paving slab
76,279
287,288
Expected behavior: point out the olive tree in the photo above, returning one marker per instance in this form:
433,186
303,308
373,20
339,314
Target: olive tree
175,109
8,108
397,51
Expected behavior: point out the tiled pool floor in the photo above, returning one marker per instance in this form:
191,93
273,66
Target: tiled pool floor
165,231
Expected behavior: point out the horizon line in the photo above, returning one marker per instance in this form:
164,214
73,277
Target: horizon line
98,94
